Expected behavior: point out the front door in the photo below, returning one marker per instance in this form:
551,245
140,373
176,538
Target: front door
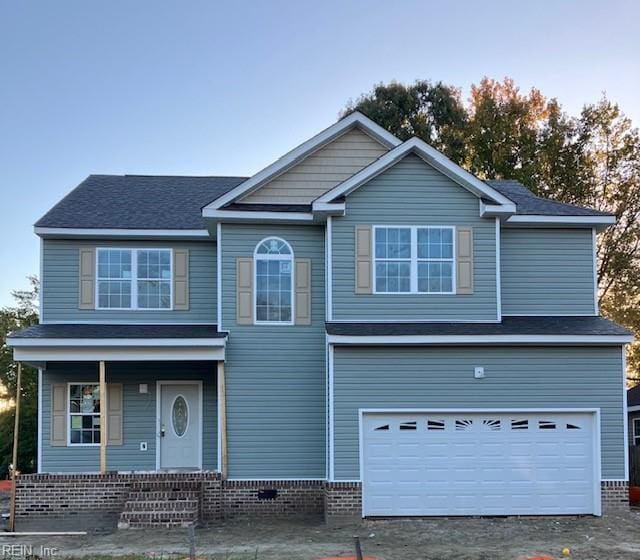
180,426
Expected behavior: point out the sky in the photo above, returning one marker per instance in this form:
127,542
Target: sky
225,88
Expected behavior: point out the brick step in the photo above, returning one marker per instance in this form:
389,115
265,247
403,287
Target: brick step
178,518
165,485
161,506
164,495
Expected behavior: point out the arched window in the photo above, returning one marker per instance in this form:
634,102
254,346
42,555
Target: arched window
273,259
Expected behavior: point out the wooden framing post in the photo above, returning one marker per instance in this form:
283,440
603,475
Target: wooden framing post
103,418
222,419
14,459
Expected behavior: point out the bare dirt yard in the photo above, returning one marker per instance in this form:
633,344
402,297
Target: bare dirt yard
613,537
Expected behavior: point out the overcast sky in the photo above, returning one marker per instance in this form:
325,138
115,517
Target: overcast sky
205,88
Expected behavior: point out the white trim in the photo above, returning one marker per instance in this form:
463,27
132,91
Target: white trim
636,434
38,355
594,241
329,268
431,156
243,215
635,408
68,413
70,233
414,260
121,322
331,416
297,154
611,340
159,384
133,280
273,257
625,412
492,210
114,342
330,208
561,221
219,274
597,459
41,284
39,455
498,272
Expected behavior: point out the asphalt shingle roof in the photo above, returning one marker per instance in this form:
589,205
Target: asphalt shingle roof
118,331
585,325
529,203
138,202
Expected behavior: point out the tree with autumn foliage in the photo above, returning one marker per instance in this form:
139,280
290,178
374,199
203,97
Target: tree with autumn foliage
590,159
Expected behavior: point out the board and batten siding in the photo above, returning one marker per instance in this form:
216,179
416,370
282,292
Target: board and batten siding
547,271
413,193
139,414
516,377
320,171
275,375
60,283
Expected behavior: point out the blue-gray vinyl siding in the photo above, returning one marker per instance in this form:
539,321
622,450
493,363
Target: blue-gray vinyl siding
60,269
547,271
139,414
516,377
275,375
413,193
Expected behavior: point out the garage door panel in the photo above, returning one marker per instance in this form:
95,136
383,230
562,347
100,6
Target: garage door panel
478,464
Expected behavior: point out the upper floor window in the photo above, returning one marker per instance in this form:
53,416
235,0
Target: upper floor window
134,278
274,281
414,259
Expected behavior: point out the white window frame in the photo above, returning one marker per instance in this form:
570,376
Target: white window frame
414,260
257,257
636,431
134,279
70,414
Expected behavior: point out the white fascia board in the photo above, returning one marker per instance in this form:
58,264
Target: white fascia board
41,355
71,233
302,151
635,408
529,220
230,216
434,158
601,340
329,208
497,210
115,342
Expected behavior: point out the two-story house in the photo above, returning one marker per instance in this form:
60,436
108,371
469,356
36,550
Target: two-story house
361,328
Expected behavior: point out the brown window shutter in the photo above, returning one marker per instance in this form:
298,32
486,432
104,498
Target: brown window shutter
244,291
464,260
87,289
181,279
114,413
303,291
58,414
364,260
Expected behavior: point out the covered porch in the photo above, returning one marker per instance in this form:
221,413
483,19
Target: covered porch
128,398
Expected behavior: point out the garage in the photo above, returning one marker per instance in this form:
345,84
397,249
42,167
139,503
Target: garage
479,463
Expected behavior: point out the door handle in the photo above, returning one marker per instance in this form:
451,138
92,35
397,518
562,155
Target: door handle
162,431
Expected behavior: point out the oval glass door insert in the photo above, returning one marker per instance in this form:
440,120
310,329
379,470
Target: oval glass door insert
180,416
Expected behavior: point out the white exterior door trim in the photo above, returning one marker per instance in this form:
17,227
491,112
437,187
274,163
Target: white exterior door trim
159,414
597,463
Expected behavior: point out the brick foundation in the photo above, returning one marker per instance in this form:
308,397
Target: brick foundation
342,500
89,497
615,495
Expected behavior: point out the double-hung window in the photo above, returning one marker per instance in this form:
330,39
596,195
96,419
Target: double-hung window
134,278
274,282
84,414
636,431
414,259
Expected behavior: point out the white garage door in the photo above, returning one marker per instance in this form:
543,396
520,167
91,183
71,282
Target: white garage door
479,464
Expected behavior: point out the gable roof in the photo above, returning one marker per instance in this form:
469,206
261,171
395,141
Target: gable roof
137,202
434,158
530,204
296,155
